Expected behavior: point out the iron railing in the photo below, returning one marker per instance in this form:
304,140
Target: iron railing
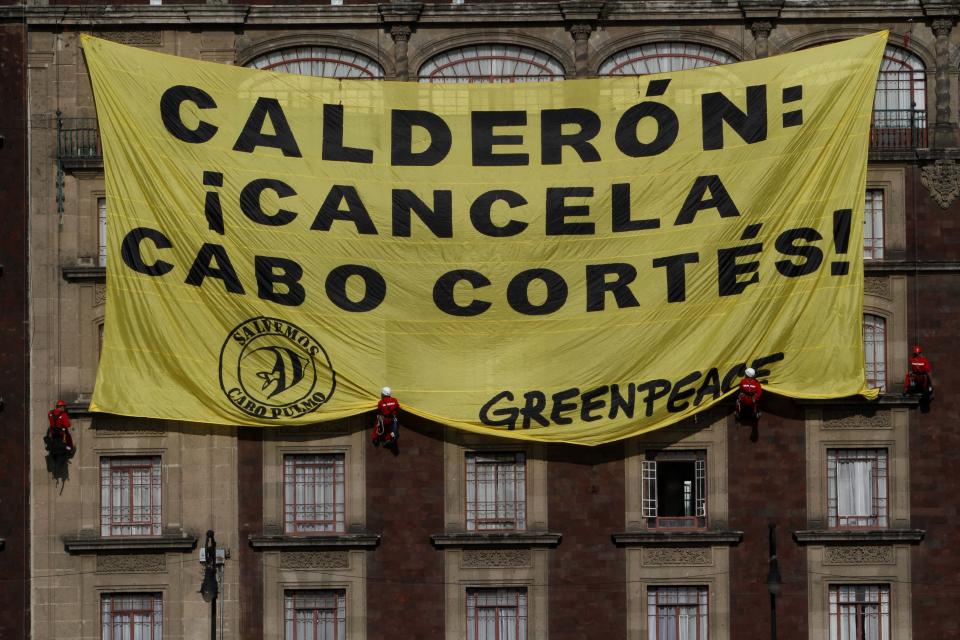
78,139
892,129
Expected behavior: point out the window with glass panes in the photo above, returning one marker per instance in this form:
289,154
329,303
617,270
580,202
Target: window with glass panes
325,62
314,493
491,63
131,616
662,57
315,614
102,231
130,491
873,225
497,614
675,489
496,491
900,102
857,487
875,351
860,612
677,613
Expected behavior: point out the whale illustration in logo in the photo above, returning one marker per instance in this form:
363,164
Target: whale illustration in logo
288,369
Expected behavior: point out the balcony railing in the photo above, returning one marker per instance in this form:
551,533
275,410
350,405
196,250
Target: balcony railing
898,129
78,141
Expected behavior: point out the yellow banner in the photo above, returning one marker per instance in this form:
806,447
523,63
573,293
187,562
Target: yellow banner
575,261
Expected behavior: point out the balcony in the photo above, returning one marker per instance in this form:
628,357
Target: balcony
898,130
78,143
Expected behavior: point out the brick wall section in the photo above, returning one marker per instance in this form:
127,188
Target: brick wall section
250,523
587,572
14,487
405,573
767,481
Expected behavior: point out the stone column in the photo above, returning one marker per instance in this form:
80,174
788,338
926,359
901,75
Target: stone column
944,130
581,54
761,32
401,35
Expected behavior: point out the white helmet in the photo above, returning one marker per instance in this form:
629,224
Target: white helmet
385,391
750,373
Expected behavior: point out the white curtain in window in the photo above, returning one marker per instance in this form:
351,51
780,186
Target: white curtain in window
854,488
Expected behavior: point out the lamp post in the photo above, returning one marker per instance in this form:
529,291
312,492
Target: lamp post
774,581
209,588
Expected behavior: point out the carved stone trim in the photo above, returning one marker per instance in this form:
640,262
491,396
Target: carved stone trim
400,32
859,555
132,563
314,430
676,557
495,558
140,38
942,180
315,560
833,419
99,294
581,32
114,429
877,287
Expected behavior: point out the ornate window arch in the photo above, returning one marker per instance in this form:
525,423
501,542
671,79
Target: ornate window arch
900,103
325,62
491,63
662,57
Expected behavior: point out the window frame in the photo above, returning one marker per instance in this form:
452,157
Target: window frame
101,231
702,595
107,627
650,506
696,51
520,518
340,624
363,64
338,460
108,521
870,347
834,614
522,607
476,54
879,518
874,219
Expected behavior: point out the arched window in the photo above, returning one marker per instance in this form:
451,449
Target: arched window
325,62
491,63
875,351
900,104
661,57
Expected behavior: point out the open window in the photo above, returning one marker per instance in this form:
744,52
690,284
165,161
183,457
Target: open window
675,489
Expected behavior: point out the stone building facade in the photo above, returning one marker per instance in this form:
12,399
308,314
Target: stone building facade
582,551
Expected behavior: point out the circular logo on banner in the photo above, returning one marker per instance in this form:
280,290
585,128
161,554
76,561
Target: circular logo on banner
273,369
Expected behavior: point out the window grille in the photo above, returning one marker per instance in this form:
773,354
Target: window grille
102,231
131,616
663,57
496,491
674,489
900,102
130,496
677,613
313,490
491,63
873,225
857,487
325,62
315,615
860,612
875,351
496,614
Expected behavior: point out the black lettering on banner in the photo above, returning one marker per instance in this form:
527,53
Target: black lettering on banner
736,371
133,258
534,402
668,128
759,365
598,286
439,219
375,287
252,135
719,199
558,211
506,417
482,124
552,138
518,292
620,207
355,212
590,401
480,213
272,271
751,126
444,293
251,207
729,270
655,389
710,386
561,406
619,402
811,255
402,122
333,148
212,210
170,103
678,395
676,274
212,262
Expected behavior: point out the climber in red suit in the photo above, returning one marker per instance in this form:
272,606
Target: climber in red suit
58,439
748,397
919,379
386,430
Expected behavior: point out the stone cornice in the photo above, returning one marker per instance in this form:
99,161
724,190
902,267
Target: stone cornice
511,539
859,537
336,541
81,544
883,400
83,273
875,267
676,538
